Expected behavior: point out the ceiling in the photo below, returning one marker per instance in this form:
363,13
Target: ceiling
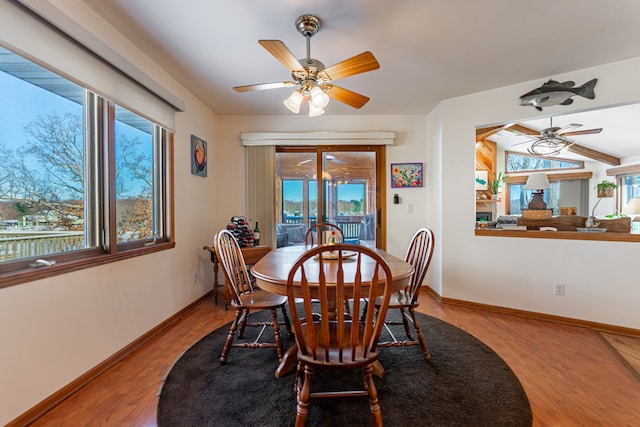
428,50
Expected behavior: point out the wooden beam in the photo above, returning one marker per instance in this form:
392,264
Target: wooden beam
595,155
552,177
624,170
483,133
516,128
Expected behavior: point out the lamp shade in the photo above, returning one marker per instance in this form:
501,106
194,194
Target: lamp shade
633,207
294,101
314,111
319,99
537,181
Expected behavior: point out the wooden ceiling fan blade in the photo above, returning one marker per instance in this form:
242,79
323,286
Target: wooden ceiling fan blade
282,53
354,65
264,86
583,132
348,97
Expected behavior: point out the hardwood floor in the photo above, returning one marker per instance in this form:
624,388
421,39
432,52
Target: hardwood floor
572,376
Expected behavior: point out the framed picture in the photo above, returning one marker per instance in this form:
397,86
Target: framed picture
198,156
482,180
406,175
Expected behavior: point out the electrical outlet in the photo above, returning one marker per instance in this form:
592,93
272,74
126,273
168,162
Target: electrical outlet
558,289
195,277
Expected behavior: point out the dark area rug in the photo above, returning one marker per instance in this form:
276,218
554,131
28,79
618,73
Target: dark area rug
466,384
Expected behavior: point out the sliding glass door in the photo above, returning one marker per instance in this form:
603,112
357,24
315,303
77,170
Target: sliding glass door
342,186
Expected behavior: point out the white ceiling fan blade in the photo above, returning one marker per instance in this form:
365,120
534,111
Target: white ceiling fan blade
567,128
303,162
584,132
333,159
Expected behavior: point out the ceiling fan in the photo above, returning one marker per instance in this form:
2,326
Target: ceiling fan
313,80
553,140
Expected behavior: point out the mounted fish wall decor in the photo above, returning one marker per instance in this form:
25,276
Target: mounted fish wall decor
556,93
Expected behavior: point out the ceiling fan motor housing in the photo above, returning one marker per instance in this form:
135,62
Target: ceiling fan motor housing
308,25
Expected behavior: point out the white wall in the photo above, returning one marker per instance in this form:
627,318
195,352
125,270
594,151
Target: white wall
52,331
601,282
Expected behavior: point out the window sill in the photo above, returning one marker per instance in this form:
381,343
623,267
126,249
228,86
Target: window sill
563,235
28,275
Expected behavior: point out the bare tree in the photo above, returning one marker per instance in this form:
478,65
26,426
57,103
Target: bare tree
46,175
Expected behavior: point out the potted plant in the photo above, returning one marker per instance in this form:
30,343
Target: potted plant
494,186
605,188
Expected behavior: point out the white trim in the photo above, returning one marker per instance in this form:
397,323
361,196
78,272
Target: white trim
317,138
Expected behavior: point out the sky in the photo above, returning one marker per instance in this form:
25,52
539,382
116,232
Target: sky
23,102
292,190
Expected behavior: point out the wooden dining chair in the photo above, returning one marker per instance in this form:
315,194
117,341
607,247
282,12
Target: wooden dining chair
334,341
324,232
419,255
245,298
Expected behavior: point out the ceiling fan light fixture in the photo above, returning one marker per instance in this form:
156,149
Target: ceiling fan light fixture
315,111
294,101
319,99
549,146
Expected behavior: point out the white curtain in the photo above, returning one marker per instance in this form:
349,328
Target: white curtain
260,169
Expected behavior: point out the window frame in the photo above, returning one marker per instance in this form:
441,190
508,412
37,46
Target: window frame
580,163
100,198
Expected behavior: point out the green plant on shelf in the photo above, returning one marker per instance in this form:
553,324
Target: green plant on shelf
494,185
615,215
605,185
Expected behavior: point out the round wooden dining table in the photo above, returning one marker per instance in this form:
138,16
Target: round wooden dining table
272,272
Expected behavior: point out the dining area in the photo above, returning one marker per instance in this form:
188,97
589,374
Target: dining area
330,333
337,296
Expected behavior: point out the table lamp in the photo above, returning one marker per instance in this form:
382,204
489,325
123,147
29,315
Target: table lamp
633,207
538,182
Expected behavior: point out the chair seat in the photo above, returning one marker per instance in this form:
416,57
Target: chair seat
259,299
398,299
333,360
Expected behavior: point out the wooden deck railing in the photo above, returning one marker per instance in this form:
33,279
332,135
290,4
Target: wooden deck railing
350,225
23,244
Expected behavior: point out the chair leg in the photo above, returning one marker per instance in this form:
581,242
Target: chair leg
276,333
229,341
243,322
303,398
364,310
405,322
376,413
421,338
287,323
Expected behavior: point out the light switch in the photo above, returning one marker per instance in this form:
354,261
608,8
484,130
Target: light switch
409,207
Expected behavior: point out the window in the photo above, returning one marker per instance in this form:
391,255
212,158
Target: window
567,190
80,177
338,185
518,162
630,188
